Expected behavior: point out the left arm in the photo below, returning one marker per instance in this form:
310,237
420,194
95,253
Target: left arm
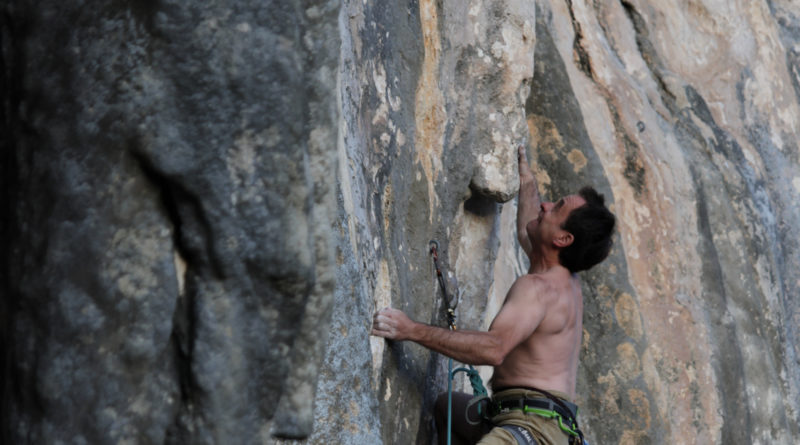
516,321
473,347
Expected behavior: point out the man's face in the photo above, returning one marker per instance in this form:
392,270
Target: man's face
547,226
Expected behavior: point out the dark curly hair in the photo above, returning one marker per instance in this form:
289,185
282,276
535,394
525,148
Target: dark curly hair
592,226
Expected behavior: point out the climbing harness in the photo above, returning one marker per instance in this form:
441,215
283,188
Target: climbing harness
478,390
552,407
549,406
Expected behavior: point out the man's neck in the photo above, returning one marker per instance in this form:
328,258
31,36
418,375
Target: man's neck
544,262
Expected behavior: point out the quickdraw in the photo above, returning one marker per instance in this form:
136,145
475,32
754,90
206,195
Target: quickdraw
478,390
450,303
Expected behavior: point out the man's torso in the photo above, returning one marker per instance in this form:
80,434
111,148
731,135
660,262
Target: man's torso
548,359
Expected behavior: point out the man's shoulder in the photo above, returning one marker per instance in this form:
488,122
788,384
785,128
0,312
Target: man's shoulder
554,275
546,283
533,279
534,284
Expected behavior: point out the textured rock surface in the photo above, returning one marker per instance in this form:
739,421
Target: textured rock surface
684,114
177,179
172,266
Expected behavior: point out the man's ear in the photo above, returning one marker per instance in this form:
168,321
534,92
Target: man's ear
563,239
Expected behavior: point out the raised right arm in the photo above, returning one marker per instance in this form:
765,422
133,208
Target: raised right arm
528,204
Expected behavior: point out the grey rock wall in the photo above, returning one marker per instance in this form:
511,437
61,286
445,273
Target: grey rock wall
170,265
204,203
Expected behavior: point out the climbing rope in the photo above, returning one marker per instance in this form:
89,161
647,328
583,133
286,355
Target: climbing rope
478,390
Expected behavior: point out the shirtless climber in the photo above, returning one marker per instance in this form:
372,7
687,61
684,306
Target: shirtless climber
534,341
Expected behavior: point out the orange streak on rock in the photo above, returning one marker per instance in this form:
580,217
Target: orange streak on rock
430,116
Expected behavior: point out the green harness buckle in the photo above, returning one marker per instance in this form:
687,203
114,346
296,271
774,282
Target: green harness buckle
552,415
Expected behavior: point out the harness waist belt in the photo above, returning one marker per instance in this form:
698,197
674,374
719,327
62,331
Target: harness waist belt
521,403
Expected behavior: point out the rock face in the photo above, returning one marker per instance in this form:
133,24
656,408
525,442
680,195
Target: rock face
203,205
170,266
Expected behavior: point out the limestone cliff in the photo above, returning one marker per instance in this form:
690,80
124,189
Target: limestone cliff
204,203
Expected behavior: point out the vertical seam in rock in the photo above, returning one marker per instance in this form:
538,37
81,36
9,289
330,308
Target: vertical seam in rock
648,54
582,59
13,124
729,403
184,320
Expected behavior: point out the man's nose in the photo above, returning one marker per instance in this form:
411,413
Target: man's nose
546,206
